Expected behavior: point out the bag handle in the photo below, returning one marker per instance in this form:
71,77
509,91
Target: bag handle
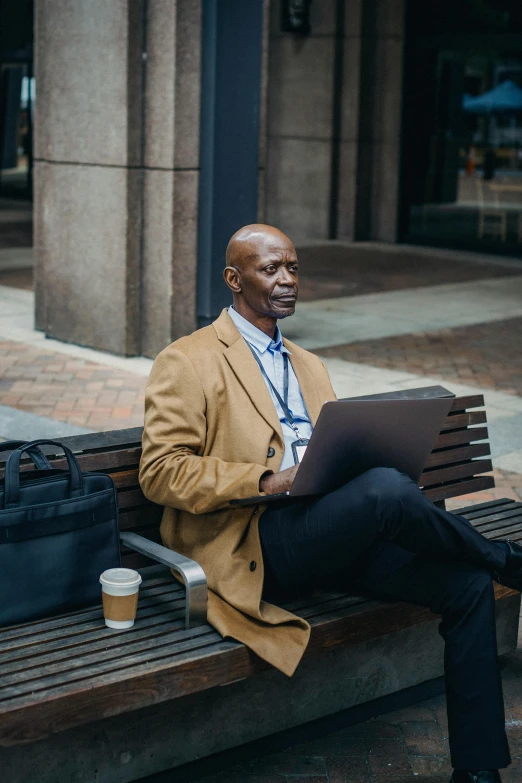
12,471
38,457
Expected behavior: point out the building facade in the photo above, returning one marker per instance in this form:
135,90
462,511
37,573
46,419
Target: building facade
161,127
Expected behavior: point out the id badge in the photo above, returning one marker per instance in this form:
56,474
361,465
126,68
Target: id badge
298,449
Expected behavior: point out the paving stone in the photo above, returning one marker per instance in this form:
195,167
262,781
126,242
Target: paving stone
513,774
372,728
388,757
301,779
332,745
232,776
348,770
431,765
422,738
416,713
286,763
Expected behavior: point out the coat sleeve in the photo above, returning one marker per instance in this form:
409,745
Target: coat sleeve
173,471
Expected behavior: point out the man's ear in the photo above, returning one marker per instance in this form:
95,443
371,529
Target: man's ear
232,279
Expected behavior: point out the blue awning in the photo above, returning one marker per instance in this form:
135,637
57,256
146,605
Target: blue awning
505,97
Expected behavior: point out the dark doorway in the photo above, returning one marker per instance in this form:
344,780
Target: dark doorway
462,125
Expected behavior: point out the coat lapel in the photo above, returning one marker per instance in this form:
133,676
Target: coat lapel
247,372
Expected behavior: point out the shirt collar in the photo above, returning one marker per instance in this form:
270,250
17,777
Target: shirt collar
261,341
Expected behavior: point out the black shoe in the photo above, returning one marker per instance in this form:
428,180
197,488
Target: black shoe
511,574
483,776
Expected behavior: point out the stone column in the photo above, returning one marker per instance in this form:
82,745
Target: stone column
171,172
88,135
299,124
379,122
116,171
349,136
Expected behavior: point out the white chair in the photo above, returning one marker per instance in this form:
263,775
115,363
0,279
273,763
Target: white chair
491,221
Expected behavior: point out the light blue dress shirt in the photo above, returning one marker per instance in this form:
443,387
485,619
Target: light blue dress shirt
270,353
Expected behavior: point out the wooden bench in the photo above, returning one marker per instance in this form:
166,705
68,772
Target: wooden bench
81,702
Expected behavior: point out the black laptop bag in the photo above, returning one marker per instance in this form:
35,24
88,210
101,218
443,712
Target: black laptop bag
58,532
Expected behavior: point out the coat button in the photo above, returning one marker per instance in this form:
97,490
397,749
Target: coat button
253,565
270,452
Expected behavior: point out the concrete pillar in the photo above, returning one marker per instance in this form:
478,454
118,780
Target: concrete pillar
299,124
321,125
349,133
171,172
116,171
88,134
380,102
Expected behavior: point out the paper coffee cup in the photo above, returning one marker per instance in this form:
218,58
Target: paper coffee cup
120,596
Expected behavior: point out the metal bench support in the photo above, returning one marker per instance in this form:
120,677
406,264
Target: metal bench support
191,572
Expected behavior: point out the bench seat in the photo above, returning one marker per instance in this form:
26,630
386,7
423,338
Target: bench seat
79,701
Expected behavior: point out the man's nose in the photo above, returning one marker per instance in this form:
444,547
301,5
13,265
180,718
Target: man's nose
285,278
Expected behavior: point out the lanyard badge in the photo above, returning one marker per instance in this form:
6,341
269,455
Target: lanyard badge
299,445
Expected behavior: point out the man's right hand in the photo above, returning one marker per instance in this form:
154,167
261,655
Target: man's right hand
273,483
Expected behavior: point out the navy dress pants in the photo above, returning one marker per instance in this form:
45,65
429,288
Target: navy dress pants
379,536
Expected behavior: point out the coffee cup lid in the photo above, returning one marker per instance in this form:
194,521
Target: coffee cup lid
120,577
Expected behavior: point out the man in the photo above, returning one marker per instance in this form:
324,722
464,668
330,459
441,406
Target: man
215,430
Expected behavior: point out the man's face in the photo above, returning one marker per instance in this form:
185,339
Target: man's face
269,280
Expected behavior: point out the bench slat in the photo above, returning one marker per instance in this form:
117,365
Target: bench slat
125,479
105,462
455,472
454,454
458,437
482,523
467,401
459,420
132,498
131,519
495,507
460,488
75,632
505,531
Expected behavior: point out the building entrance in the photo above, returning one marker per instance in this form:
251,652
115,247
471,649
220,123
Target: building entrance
462,126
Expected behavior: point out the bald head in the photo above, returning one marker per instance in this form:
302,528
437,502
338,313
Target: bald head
250,241
261,271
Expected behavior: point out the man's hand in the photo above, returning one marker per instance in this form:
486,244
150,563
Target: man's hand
273,483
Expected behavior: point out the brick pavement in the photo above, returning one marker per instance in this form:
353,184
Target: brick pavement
485,355
409,744
69,389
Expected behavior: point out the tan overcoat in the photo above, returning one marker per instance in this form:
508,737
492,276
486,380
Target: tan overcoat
209,425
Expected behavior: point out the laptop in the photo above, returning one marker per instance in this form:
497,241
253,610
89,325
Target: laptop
353,436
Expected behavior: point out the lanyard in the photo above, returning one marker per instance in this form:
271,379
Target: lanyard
282,402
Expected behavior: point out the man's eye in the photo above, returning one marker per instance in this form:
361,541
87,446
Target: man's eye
270,268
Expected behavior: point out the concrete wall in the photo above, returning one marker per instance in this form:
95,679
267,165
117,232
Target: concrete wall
303,139
116,171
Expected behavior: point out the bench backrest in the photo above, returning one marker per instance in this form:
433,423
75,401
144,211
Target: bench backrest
455,467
